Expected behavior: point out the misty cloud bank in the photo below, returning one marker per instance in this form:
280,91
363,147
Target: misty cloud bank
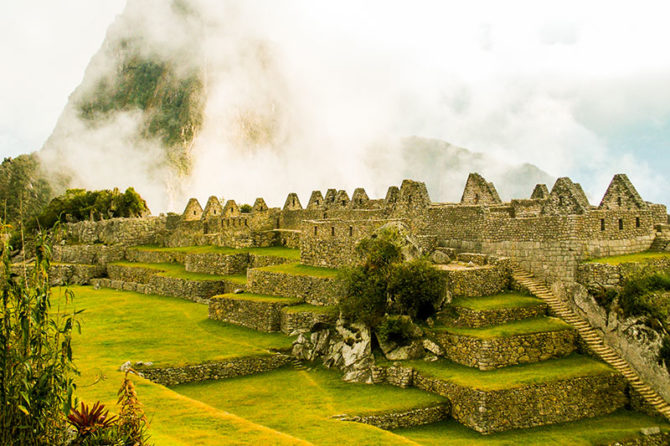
303,95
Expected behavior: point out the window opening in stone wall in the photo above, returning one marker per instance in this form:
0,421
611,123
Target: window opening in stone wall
560,201
351,231
602,224
193,212
332,230
618,201
344,202
637,222
620,224
315,230
476,198
316,202
214,212
245,222
325,215
277,223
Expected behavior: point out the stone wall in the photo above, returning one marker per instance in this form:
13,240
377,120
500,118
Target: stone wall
496,352
230,368
311,289
296,321
216,263
64,274
121,231
478,280
397,419
263,315
146,256
465,317
88,254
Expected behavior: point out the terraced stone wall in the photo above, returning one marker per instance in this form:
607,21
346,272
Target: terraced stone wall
117,231
172,376
418,416
259,315
595,276
215,263
466,317
64,274
310,289
483,280
528,406
304,321
147,256
88,254
493,353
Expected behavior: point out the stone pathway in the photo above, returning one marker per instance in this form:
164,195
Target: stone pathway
593,340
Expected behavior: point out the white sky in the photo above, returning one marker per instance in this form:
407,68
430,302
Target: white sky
592,79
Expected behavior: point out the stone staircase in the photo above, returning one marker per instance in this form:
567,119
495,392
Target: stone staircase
593,340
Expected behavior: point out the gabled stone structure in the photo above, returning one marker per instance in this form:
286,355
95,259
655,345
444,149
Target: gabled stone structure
359,199
413,195
316,201
259,205
212,208
331,195
581,196
392,196
193,210
565,199
621,194
231,209
292,202
341,199
540,192
479,192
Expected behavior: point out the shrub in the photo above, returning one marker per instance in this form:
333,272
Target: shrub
133,423
245,208
664,353
634,298
415,288
88,421
36,367
396,329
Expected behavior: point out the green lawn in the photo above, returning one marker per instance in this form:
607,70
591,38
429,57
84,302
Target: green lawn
628,258
273,251
178,271
301,403
525,326
513,376
258,298
601,430
503,300
299,269
120,325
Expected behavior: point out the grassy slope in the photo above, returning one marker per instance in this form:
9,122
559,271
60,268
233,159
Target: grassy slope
301,403
504,300
514,376
637,257
301,270
272,251
178,271
524,326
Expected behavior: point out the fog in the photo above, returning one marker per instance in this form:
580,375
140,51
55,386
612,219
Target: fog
303,95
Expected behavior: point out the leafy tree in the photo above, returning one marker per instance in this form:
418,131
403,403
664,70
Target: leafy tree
383,284
24,190
36,367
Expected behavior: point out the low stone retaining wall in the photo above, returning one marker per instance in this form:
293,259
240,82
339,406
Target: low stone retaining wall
217,263
402,418
645,439
195,290
292,321
142,256
479,280
311,289
88,254
238,310
136,274
230,368
457,316
595,276
259,261
489,411
493,353
64,274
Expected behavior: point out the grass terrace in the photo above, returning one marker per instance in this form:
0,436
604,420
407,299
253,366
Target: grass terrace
601,430
503,300
514,376
273,251
524,326
178,271
302,403
299,269
630,258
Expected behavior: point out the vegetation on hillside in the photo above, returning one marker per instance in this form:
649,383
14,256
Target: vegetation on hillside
24,190
386,285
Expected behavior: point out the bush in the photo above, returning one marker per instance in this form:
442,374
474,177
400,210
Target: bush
383,284
245,208
36,367
636,300
664,353
396,329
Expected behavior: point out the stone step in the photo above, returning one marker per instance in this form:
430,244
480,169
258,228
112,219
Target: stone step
316,286
260,312
518,342
524,396
475,312
305,317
